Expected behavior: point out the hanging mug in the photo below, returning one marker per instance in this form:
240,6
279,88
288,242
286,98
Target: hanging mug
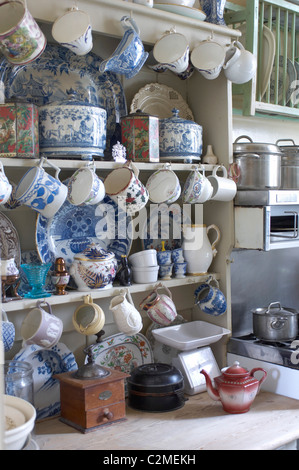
21,39
126,316
210,299
41,327
88,318
159,307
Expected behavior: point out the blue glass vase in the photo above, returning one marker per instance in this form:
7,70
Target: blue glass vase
214,10
36,275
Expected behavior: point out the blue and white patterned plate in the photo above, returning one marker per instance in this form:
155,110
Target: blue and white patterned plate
45,364
73,228
57,70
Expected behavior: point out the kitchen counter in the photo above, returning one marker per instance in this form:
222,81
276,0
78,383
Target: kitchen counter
201,424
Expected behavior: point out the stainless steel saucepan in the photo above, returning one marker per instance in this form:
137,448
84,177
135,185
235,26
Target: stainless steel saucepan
275,323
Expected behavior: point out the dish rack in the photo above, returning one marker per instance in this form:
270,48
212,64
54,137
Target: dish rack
270,30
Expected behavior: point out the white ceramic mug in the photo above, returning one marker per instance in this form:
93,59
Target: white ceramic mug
5,186
73,30
126,316
41,328
208,58
172,51
224,188
240,65
197,188
41,191
88,318
85,187
21,39
124,187
163,186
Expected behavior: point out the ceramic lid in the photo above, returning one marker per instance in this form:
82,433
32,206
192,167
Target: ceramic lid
72,100
235,370
95,253
176,119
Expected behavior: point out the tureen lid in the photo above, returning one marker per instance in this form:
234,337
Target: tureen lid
72,99
176,119
95,253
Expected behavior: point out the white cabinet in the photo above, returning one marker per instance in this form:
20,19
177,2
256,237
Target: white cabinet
211,103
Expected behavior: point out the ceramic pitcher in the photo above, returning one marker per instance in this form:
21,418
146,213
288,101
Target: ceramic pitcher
126,316
198,250
159,307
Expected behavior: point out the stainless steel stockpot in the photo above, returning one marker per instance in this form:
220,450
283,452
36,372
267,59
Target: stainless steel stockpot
289,164
275,323
256,165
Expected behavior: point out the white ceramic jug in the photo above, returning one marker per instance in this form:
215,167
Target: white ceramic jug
198,250
126,316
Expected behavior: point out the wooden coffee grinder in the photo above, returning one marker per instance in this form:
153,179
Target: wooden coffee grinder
92,396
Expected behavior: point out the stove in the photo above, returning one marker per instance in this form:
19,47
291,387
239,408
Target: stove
280,360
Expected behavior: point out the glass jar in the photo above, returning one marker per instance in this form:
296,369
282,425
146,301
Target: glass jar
19,380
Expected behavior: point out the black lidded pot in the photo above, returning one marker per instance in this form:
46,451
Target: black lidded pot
156,387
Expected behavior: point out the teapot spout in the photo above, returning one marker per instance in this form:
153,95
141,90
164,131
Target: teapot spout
212,391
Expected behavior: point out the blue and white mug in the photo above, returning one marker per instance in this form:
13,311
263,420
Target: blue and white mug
209,299
7,332
40,191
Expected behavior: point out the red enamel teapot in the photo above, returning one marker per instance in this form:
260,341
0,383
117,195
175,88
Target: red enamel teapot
236,388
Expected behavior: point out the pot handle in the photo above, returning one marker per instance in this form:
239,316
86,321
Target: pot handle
243,137
285,140
278,324
249,155
271,305
252,372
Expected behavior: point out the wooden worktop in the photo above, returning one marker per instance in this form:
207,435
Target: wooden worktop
201,424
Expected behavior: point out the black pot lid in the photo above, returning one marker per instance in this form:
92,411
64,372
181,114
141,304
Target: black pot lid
155,374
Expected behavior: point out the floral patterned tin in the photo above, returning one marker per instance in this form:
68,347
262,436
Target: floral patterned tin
19,130
140,136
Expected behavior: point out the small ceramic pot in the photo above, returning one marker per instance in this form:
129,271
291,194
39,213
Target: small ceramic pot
180,139
145,275
210,299
165,271
163,186
73,30
8,267
180,270
94,268
72,127
129,56
21,39
7,332
124,187
41,191
41,328
144,258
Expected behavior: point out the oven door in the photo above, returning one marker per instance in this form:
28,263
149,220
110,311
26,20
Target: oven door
266,228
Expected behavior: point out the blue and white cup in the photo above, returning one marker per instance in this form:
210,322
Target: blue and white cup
210,299
180,270
164,257
40,191
172,51
177,255
165,271
7,330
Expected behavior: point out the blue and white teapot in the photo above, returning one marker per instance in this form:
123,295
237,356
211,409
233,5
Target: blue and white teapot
129,56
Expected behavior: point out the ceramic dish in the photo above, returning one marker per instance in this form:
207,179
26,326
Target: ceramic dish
73,228
19,418
159,100
291,76
58,70
122,352
45,364
268,54
9,240
181,10
171,231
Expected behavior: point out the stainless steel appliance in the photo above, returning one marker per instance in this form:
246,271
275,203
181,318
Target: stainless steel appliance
266,219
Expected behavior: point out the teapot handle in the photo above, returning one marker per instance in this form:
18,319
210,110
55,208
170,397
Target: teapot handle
213,245
251,373
125,20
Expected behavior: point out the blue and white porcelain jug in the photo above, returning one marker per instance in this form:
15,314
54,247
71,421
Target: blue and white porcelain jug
214,10
129,56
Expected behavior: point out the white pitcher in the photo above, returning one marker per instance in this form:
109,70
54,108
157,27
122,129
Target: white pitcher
198,250
126,316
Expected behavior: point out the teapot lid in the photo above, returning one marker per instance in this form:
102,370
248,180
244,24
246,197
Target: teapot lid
235,370
95,253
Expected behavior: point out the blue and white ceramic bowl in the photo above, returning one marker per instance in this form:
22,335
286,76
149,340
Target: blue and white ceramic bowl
180,139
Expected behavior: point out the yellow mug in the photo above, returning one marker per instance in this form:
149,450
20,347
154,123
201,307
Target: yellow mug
88,318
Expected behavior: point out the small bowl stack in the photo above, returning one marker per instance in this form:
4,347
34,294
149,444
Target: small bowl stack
144,266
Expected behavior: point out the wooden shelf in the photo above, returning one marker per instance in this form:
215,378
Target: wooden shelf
78,296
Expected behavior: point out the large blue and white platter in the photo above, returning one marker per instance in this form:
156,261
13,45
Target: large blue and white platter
73,228
45,364
57,71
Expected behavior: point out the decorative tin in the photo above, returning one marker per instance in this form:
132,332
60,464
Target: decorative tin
140,136
19,130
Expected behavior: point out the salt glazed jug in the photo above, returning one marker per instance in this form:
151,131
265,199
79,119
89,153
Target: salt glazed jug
159,307
236,388
129,56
